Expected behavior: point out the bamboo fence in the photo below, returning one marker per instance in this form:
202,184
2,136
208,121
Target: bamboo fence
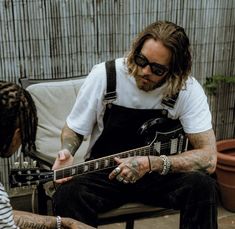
45,39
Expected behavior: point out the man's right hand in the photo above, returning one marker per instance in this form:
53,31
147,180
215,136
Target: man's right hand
63,159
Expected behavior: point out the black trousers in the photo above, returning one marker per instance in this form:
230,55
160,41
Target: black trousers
194,194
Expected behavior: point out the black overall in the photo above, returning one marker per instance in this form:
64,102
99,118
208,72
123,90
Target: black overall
85,196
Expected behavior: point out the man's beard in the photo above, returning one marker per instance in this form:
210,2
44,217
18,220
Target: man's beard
150,85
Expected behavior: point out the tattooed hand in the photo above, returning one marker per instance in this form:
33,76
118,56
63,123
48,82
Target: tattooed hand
130,169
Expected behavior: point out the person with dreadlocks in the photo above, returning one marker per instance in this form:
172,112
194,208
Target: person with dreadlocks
18,125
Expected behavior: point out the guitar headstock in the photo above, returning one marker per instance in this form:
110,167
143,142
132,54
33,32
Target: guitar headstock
25,177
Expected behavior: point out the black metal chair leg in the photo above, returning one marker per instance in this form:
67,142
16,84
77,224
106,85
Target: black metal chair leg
42,200
130,224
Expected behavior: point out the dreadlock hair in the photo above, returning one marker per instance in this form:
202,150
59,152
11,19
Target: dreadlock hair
175,39
17,110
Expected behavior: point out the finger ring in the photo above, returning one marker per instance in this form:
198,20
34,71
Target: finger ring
117,170
125,181
119,178
133,180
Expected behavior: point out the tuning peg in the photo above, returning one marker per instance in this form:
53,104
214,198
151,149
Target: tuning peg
34,164
16,164
25,164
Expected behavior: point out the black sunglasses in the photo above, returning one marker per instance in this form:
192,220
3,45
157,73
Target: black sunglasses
157,69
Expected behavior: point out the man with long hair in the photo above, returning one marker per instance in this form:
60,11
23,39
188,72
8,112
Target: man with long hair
18,125
153,92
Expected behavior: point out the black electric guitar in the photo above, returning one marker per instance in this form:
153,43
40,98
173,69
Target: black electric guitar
162,135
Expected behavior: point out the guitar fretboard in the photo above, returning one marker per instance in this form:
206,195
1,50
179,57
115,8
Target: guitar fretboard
101,163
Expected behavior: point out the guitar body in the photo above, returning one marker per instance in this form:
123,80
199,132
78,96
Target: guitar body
161,135
167,136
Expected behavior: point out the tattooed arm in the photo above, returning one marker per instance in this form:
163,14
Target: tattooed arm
202,158
27,220
70,142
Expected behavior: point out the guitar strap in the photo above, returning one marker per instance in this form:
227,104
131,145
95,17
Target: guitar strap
111,94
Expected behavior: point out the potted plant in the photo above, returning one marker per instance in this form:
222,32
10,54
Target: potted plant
221,91
225,171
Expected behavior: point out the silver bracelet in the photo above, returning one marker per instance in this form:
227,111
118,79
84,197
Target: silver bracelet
166,165
58,222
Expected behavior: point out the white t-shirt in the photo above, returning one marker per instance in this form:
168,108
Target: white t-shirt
86,117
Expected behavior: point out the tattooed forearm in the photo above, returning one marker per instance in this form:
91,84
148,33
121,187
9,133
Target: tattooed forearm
70,140
26,220
203,157
193,160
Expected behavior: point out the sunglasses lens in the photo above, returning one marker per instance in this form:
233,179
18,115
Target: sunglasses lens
158,70
140,61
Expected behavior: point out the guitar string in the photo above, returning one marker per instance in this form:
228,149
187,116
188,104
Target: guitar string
92,165
102,162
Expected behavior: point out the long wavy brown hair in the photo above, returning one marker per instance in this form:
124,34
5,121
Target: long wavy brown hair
17,110
175,39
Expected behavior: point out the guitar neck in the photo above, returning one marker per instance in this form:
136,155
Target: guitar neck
101,163
166,141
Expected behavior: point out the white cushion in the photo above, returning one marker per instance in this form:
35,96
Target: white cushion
54,101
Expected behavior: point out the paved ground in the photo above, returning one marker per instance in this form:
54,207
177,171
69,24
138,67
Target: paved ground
226,220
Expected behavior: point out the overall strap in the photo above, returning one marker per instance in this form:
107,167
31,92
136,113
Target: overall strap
111,94
170,101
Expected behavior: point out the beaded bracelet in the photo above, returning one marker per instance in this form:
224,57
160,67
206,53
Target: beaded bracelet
58,222
166,164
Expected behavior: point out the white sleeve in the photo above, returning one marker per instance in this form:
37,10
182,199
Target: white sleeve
89,102
195,114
